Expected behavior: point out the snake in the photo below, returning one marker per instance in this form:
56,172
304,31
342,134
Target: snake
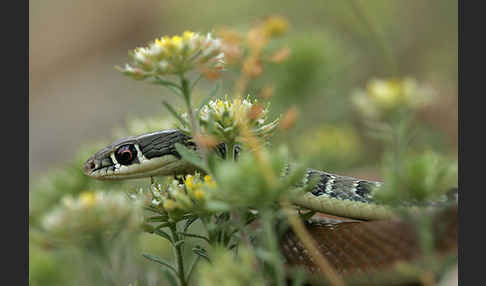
343,197
155,154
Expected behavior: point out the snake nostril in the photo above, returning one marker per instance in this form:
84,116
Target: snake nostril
89,166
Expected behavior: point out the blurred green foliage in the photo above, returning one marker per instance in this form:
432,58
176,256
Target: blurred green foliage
239,266
44,267
418,177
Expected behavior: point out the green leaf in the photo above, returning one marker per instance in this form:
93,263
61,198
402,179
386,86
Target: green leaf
190,156
195,236
168,84
189,222
162,225
163,234
307,215
147,228
201,252
213,159
160,261
175,113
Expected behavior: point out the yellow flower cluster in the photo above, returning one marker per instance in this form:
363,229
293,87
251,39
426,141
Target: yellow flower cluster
179,199
92,214
194,185
223,118
383,96
176,55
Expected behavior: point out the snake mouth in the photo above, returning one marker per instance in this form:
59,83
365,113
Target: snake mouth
90,168
158,166
94,167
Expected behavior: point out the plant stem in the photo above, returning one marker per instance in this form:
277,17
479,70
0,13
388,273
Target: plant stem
186,92
271,241
230,150
179,256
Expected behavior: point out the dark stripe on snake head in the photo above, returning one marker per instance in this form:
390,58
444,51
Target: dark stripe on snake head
158,144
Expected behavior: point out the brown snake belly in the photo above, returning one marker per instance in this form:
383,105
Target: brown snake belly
368,247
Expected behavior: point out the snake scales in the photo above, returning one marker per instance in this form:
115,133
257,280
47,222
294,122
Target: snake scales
349,246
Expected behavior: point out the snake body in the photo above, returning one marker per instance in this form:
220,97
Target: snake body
349,246
154,154
342,196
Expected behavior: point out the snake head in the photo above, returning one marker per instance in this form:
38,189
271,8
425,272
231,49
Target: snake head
146,155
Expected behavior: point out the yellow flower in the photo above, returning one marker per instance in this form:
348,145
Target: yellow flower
208,181
227,117
179,199
386,93
199,194
92,213
275,26
176,55
88,199
383,97
189,181
176,40
188,34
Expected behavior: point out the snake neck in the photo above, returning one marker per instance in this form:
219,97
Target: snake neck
340,187
328,185
354,198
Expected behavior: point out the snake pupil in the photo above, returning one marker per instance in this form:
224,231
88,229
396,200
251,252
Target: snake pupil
126,154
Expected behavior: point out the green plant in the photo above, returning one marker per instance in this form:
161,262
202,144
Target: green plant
229,194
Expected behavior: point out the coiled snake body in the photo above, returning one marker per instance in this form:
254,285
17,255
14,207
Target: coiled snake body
154,154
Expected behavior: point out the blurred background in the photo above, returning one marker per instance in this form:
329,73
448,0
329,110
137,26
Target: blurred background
76,95
78,98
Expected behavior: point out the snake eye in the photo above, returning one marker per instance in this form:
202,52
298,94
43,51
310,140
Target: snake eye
126,154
